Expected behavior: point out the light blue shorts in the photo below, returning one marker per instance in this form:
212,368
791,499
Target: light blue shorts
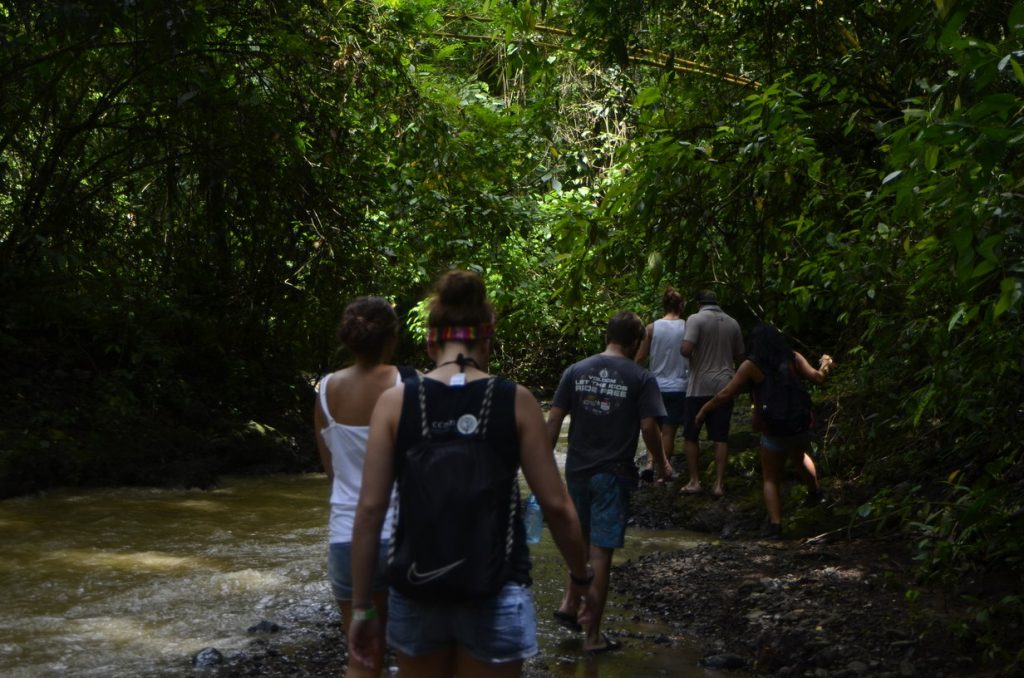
339,569
494,631
602,504
801,442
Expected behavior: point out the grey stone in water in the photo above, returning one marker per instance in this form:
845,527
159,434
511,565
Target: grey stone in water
724,661
264,627
207,658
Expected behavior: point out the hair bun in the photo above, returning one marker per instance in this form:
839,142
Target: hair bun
461,288
460,300
366,325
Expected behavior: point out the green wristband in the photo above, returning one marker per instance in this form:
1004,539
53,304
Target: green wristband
364,615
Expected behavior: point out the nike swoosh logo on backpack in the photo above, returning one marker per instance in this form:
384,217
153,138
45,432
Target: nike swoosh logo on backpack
415,577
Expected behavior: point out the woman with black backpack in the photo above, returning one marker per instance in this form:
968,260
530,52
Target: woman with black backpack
459,568
782,413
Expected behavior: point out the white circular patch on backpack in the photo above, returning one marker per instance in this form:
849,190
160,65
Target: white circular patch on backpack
466,424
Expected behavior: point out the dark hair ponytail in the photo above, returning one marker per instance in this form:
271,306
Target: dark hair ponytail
768,347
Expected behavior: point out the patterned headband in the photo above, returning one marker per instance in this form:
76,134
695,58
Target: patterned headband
439,335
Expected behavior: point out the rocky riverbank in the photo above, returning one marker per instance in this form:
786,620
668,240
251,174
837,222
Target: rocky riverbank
821,603
798,608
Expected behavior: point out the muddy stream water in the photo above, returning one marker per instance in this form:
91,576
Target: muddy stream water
135,582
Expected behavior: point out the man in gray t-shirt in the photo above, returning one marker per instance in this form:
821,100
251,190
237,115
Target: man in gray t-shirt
714,344
611,400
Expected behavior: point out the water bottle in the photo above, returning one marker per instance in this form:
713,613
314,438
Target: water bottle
533,520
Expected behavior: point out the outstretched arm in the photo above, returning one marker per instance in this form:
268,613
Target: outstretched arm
747,372
815,376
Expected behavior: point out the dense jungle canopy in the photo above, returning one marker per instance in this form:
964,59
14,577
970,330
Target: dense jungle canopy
191,190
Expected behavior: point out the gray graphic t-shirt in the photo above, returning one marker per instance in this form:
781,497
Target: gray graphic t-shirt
606,397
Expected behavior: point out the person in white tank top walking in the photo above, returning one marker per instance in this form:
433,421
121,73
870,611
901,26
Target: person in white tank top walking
369,330
661,345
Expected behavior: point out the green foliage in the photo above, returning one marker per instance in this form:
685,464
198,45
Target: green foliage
191,192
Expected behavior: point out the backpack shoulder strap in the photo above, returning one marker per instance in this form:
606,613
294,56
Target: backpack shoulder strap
483,416
422,400
485,406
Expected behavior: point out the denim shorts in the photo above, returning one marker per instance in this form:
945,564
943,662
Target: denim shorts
339,569
675,407
494,630
800,442
602,503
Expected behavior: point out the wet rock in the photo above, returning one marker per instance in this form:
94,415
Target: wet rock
264,627
793,615
724,661
750,586
857,667
208,657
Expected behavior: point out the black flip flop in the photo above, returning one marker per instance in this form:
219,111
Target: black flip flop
609,646
567,620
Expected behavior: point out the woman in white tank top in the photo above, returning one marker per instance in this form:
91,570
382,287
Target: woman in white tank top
369,330
661,344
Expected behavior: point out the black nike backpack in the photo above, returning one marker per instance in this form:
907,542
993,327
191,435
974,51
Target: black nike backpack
785,403
457,501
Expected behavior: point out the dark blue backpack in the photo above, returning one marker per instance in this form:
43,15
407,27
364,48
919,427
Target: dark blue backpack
785,404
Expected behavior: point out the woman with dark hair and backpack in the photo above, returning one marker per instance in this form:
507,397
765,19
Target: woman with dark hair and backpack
369,330
781,413
459,569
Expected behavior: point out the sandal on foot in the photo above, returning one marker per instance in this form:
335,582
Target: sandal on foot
609,646
567,621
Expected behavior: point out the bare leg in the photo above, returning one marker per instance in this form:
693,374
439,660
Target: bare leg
772,465
806,471
692,449
668,441
601,560
466,665
721,461
438,665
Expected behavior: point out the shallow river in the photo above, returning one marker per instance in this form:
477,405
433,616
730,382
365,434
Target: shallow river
136,581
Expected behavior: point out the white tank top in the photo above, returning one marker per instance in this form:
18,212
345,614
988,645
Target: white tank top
348,451
668,366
